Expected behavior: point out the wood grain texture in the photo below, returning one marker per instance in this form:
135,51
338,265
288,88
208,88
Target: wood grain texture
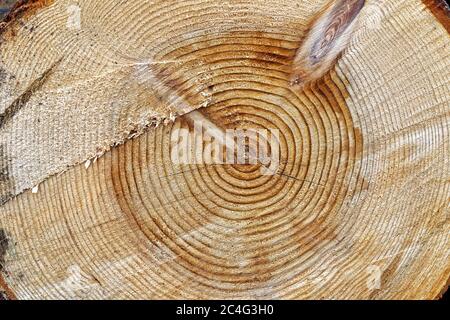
120,80
441,10
359,207
16,12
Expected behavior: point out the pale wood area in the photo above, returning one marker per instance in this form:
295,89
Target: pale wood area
358,208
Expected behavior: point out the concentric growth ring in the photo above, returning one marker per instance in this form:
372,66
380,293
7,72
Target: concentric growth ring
229,222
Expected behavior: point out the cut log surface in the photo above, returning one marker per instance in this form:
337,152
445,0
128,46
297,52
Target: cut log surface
94,207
